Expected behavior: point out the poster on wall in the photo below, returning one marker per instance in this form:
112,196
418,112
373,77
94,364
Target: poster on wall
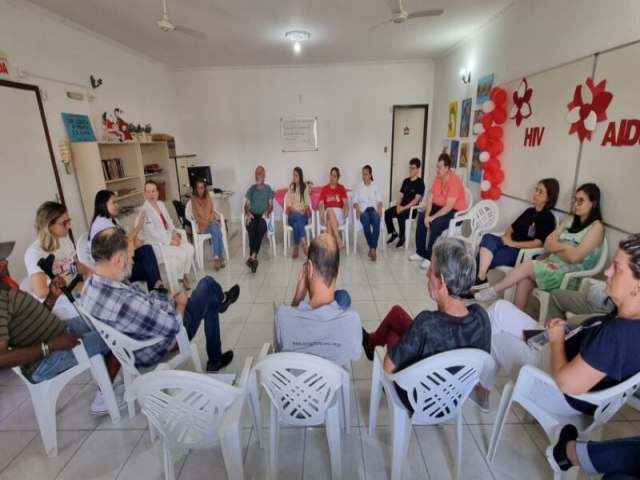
299,134
477,119
464,155
476,166
78,127
446,146
465,117
485,84
453,118
453,153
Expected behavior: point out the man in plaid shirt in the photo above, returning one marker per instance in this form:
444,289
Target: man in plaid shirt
109,297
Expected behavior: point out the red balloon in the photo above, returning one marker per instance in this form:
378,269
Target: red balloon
494,192
500,115
489,176
491,165
487,121
485,195
499,96
483,141
495,148
495,132
498,177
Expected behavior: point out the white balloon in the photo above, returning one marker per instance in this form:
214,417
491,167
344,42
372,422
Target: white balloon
485,185
478,128
485,156
488,106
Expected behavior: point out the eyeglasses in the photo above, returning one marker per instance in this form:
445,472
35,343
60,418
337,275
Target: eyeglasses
578,200
542,191
65,223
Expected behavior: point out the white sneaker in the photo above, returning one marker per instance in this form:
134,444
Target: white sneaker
99,406
486,295
415,258
425,264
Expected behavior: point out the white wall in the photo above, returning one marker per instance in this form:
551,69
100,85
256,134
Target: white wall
529,37
231,119
46,45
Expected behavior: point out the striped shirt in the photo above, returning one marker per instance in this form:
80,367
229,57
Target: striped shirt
25,322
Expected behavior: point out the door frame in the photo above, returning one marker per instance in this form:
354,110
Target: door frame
424,141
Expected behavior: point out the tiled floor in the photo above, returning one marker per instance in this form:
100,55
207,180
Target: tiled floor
94,448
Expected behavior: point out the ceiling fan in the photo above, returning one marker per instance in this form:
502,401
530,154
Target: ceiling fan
166,25
400,15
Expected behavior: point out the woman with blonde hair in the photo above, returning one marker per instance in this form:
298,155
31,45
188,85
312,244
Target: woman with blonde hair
52,227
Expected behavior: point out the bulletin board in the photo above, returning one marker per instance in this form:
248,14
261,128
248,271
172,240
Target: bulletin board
299,134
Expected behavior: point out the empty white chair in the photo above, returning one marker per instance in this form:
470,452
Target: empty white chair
527,392
195,411
544,296
83,251
124,348
482,217
245,234
344,228
357,226
304,391
287,230
436,387
200,238
44,395
468,203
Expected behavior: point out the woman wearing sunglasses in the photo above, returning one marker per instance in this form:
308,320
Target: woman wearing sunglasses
52,227
574,245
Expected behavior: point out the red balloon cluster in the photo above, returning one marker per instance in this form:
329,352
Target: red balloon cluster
490,141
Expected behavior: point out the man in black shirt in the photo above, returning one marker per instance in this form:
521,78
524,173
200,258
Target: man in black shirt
411,192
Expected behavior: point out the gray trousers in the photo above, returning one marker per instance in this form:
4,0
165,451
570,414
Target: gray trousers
563,301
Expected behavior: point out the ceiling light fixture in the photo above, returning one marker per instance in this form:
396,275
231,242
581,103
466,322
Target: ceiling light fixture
465,76
297,36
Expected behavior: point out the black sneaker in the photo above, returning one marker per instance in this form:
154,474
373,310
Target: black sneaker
392,238
400,243
225,359
365,345
249,262
557,453
230,296
480,284
254,266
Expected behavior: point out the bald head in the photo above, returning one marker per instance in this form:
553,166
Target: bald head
260,174
325,256
107,243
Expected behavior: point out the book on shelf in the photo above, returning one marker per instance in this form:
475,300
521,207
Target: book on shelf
112,168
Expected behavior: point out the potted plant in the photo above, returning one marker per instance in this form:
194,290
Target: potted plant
147,132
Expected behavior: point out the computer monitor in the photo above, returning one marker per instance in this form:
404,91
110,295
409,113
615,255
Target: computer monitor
196,173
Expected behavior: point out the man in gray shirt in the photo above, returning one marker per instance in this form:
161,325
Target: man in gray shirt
320,326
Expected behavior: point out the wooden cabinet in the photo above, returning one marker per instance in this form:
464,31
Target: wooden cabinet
120,167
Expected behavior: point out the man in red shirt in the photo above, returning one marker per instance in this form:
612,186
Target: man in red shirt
446,197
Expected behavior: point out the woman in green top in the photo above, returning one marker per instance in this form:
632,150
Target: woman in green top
574,245
257,208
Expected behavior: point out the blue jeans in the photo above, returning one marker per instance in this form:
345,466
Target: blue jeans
371,225
62,360
298,221
503,255
203,305
145,266
439,225
216,239
619,458
342,298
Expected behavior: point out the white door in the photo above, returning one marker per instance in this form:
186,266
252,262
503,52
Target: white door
27,178
409,138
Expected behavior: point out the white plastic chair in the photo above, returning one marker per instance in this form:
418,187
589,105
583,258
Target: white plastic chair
531,381
357,226
287,230
441,385
304,391
344,228
200,238
195,411
83,251
409,221
482,217
544,296
124,347
245,234
44,395
468,203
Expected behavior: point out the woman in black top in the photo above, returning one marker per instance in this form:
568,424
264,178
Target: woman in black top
528,231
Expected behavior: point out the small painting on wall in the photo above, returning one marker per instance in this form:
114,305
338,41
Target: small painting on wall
477,119
453,118
465,117
453,153
476,166
484,89
446,146
464,155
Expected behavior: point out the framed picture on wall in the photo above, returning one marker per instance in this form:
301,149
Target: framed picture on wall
465,117
484,89
476,166
446,146
464,155
453,153
453,119
477,119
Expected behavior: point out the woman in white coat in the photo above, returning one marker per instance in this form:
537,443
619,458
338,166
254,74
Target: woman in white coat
159,229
